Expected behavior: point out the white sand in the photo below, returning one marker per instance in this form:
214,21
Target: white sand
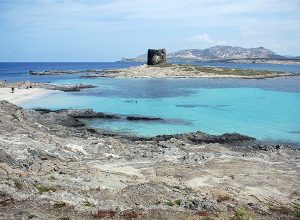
23,95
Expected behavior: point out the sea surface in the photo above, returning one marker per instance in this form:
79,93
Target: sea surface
267,109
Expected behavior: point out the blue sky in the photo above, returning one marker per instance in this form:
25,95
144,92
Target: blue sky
107,30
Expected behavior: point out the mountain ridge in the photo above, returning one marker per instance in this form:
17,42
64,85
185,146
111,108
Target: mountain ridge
216,53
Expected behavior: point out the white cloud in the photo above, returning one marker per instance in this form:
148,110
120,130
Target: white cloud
247,31
205,39
201,38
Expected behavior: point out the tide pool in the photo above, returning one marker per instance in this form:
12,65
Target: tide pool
264,109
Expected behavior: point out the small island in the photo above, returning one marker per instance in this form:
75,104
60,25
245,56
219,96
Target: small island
189,71
158,67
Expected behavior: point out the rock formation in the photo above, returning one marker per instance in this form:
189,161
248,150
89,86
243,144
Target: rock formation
53,166
157,56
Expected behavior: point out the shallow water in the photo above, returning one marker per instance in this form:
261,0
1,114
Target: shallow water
208,105
267,109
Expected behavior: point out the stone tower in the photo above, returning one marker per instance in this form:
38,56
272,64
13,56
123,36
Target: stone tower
157,56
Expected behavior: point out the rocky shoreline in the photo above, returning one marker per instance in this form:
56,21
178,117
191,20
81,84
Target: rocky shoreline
172,71
63,88
52,168
189,71
62,72
264,61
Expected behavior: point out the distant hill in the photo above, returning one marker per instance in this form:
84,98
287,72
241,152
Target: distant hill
215,53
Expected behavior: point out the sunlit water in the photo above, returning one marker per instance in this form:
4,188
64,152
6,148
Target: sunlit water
266,109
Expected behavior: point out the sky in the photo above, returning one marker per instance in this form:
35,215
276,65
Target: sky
107,30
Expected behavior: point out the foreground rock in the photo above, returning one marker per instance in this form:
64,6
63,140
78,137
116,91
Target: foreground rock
50,169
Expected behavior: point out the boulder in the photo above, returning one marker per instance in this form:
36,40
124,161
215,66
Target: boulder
157,56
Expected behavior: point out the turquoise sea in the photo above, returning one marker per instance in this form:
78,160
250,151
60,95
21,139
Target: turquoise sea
266,109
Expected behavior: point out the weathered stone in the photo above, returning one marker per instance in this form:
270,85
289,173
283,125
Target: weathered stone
157,56
50,169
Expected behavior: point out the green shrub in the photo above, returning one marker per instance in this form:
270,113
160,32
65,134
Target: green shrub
18,185
59,205
42,188
206,218
169,203
177,202
64,218
32,216
89,204
158,202
242,214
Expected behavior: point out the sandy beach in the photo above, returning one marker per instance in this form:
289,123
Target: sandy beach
22,95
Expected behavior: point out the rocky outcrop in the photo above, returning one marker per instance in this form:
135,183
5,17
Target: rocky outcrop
64,88
89,113
157,56
49,170
68,88
62,72
201,137
79,113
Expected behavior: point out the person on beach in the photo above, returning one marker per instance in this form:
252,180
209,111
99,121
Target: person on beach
12,89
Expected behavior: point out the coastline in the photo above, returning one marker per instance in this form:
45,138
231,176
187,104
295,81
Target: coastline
25,91
188,71
171,71
23,95
53,166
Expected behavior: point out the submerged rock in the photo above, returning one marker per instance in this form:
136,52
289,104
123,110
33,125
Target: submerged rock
143,118
201,137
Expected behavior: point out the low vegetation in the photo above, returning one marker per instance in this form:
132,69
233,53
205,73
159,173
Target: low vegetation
64,218
206,218
18,185
32,216
169,203
218,70
59,205
125,214
43,189
177,202
88,204
242,214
